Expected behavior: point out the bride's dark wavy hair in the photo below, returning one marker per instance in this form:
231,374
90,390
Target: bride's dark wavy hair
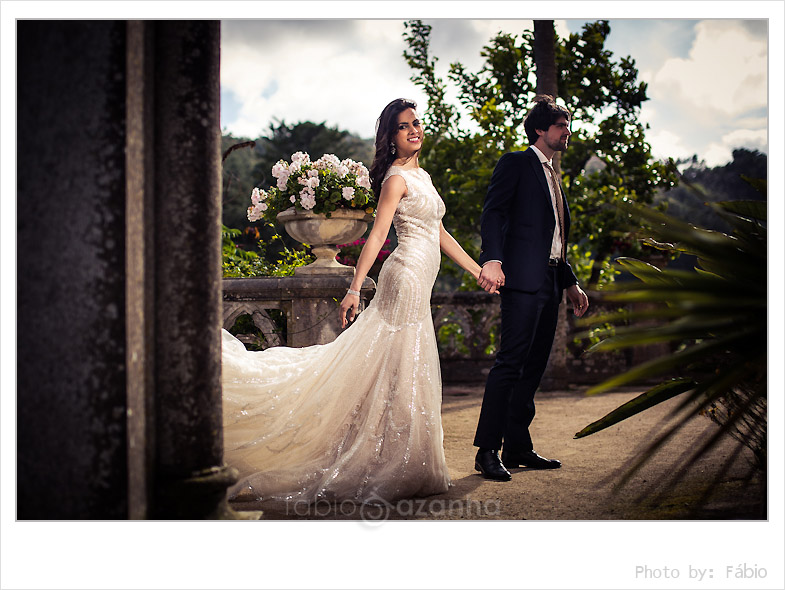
386,127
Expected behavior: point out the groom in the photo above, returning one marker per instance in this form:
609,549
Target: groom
524,227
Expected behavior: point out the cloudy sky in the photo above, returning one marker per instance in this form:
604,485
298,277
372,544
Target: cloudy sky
707,79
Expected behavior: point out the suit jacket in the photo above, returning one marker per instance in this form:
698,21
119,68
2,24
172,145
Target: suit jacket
518,221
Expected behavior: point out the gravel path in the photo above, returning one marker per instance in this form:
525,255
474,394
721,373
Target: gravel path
722,485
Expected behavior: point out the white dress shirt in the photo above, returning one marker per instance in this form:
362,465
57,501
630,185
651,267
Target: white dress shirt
556,244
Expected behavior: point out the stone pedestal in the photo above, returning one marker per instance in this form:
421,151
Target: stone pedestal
323,234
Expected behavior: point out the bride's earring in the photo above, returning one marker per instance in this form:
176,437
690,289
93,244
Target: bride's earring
392,148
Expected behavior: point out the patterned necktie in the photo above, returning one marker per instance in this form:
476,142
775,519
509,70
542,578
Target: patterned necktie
559,207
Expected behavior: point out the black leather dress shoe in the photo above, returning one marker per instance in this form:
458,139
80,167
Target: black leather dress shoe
488,463
530,459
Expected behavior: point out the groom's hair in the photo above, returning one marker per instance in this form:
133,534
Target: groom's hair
544,113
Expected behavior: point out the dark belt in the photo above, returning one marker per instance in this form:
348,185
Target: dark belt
553,262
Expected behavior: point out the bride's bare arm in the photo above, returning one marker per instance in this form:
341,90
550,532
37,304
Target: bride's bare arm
392,192
455,251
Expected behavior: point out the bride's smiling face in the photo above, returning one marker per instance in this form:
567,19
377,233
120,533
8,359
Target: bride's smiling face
409,135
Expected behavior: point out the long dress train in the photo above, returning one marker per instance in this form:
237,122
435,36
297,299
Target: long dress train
358,418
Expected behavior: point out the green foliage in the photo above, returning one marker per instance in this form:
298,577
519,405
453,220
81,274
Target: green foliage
608,162
254,338
273,262
238,262
713,317
452,334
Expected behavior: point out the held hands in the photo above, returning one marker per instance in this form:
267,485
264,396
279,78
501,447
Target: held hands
349,304
580,302
491,277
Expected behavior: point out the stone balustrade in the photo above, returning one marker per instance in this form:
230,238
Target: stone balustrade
295,311
299,311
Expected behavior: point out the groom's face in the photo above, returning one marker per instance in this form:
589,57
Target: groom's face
558,135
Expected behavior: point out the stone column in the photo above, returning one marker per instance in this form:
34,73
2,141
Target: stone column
191,479
119,271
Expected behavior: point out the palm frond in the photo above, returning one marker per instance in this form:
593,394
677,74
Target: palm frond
713,318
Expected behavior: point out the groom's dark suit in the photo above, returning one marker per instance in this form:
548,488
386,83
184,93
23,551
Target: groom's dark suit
517,228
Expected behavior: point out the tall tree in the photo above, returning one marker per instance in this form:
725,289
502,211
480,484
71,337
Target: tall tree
545,64
545,57
608,162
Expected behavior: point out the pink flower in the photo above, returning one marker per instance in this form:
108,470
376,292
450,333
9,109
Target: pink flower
347,192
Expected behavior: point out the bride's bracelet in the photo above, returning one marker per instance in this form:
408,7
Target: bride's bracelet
353,292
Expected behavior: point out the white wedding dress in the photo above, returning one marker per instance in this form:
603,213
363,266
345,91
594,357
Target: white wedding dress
358,418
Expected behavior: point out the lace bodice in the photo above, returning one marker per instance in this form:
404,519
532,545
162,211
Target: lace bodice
407,277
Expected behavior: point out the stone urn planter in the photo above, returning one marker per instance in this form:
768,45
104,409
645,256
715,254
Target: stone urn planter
323,234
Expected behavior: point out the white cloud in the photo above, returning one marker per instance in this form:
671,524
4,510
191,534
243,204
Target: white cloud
342,72
721,152
706,79
713,98
295,73
724,74
666,144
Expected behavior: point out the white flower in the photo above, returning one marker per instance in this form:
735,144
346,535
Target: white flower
301,158
281,168
328,161
307,199
253,214
313,178
281,174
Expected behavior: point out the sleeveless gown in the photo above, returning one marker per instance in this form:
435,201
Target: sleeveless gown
358,418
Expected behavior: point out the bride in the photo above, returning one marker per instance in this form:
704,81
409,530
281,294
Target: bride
359,418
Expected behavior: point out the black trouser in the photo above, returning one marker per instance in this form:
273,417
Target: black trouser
528,326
